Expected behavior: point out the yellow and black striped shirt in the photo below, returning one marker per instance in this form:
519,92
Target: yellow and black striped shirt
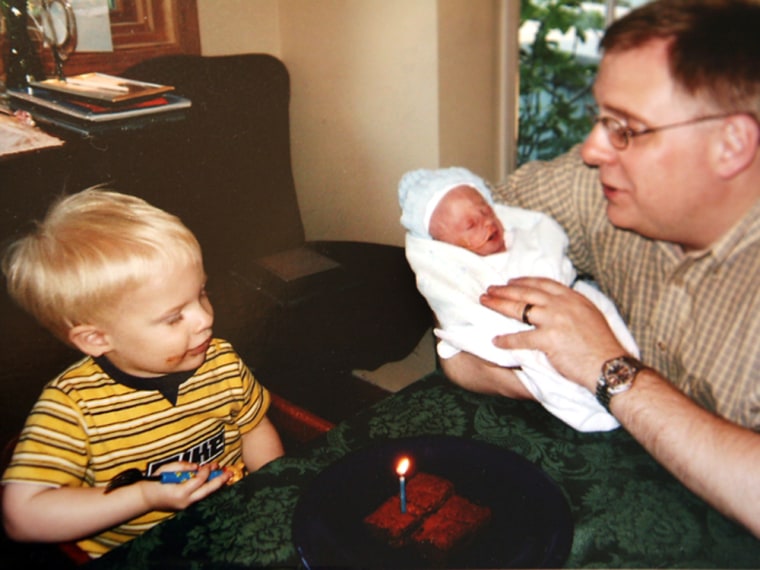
695,316
86,428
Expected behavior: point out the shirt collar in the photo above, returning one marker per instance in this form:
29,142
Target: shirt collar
168,385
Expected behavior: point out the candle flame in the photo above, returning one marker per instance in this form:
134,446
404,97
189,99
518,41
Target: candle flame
403,466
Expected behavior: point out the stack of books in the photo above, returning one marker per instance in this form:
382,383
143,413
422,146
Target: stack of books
83,101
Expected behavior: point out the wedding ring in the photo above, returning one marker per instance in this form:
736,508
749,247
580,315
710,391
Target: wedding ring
525,315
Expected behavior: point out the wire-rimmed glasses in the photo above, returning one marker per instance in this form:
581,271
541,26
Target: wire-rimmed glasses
620,134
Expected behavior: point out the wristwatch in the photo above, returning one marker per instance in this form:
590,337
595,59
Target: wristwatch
617,377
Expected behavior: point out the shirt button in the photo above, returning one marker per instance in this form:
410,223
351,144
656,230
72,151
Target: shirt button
662,345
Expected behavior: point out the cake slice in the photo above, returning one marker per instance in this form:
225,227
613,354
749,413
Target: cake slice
428,492
424,494
390,525
450,528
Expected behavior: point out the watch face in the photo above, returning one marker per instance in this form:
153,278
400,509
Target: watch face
619,373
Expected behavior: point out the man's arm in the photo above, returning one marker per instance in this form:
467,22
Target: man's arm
477,375
716,459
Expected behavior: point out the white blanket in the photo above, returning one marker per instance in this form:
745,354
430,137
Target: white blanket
452,279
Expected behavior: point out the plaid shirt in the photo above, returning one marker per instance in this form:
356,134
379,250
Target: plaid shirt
695,316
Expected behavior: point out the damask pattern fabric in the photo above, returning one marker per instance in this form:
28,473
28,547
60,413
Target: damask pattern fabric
628,511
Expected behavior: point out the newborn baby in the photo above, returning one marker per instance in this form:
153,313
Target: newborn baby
459,243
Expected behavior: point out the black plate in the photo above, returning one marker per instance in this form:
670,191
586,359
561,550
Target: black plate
530,526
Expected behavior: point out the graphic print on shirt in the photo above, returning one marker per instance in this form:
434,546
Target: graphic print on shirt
202,453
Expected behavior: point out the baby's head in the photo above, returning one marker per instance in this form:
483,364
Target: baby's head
452,205
90,250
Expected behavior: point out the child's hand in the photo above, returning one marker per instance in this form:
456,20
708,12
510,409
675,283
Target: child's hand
178,496
35,513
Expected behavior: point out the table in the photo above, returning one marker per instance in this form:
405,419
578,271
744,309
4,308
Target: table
627,510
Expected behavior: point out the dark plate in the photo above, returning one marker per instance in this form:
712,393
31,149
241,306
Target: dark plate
530,525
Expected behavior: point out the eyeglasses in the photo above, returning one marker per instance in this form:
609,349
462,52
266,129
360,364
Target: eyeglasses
620,134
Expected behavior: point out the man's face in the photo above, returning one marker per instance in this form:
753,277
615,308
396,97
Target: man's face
464,218
162,326
661,186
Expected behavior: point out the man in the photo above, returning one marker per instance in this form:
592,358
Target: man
672,235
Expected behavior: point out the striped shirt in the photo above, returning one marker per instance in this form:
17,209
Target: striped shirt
695,315
86,428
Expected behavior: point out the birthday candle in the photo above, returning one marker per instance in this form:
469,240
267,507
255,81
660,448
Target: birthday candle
401,469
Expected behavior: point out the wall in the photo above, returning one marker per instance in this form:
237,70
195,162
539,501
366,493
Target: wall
239,26
379,87
469,79
366,109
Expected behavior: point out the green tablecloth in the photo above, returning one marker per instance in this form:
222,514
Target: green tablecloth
627,510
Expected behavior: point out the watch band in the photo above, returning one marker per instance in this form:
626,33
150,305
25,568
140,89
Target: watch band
602,395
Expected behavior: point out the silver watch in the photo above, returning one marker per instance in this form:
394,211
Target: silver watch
617,377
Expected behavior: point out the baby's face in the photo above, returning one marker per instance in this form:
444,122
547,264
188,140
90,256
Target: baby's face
464,218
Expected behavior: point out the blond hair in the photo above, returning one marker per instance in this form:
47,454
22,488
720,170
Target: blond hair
90,249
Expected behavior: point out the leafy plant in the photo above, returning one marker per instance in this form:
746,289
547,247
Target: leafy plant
555,84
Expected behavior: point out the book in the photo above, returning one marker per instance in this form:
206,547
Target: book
107,89
56,122
34,99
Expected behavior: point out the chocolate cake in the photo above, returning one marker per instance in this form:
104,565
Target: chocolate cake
428,492
450,528
437,521
389,524
424,494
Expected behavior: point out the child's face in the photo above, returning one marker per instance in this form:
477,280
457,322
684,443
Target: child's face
162,326
464,218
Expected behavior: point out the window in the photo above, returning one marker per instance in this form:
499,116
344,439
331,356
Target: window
558,62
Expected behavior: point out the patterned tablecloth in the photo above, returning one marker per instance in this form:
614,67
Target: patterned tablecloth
627,510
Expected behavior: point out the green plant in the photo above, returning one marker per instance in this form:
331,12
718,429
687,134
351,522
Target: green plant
555,84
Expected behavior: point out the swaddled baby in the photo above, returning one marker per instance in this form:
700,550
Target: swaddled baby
458,243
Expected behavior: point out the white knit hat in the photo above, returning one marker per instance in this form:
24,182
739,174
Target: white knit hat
420,191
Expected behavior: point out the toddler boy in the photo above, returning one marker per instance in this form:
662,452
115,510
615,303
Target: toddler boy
123,282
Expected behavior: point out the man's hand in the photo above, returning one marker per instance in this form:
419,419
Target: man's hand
572,332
